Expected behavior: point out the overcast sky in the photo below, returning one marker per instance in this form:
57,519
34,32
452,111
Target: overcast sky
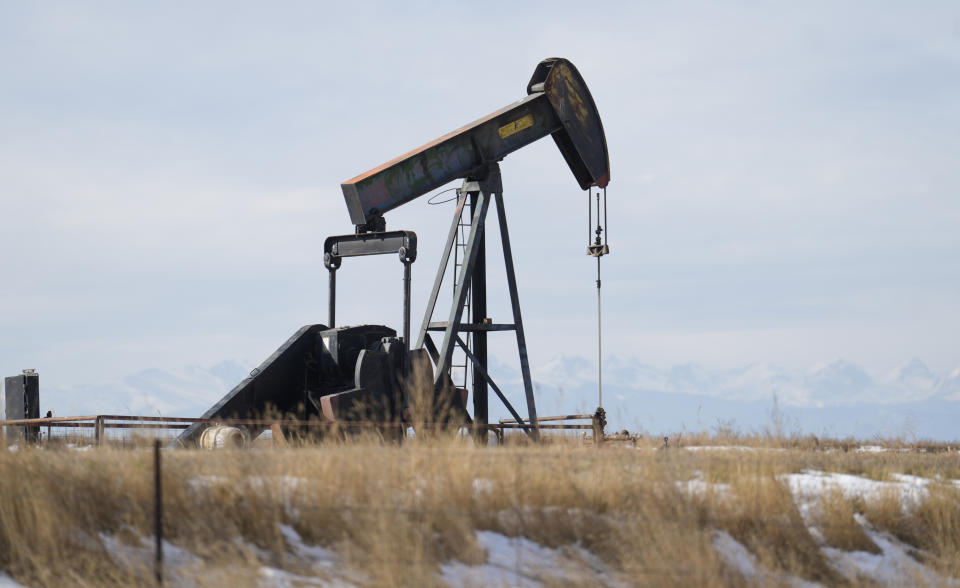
785,181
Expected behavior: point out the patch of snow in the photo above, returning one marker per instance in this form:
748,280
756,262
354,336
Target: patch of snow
315,559
281,485
319,559
811,483
911,480
141,554
699,487
738,557
315,554
483,486
273,577
872,449
517,561
8,582
197,483
717,448
893,567
284,485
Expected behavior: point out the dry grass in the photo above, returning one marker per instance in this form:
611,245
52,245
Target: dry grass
394,515
932,526
761,514
835,519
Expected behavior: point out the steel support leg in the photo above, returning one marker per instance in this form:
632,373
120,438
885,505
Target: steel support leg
517,320
478,292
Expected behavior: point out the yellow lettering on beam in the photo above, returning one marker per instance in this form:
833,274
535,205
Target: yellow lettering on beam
516,126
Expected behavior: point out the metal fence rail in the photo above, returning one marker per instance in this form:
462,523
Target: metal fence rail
95,427
597,421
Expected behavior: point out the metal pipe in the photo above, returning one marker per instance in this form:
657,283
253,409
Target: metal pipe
406,305
45,420
140,426
599,343
333,298
566,427
568,417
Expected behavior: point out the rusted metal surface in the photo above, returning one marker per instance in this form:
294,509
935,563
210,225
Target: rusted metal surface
568,427
558,104
569,417
596,425
45,421
582,142
22,400
455,155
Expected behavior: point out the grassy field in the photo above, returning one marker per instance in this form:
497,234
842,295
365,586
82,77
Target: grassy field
448,512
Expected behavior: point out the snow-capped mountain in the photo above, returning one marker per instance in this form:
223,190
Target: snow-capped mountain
838,383
183,392
690,378
949,388
837,398
914,380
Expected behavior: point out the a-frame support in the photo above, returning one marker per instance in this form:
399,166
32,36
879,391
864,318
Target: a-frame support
473,273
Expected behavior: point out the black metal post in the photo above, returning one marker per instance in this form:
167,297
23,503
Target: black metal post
98,430
333,298
406,304
158,513
478,290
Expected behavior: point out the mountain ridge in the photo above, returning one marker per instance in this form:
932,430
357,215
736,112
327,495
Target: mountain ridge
835,398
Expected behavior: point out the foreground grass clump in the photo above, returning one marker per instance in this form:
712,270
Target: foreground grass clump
377,514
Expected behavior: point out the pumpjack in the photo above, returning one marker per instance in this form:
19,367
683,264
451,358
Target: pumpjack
369,373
